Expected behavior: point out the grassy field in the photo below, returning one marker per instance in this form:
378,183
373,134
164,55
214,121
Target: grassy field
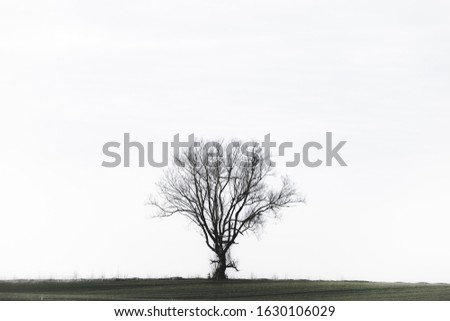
202,289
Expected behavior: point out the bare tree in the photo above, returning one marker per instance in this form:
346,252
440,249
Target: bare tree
225,196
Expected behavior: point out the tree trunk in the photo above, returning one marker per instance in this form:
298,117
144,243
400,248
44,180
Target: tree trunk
219,273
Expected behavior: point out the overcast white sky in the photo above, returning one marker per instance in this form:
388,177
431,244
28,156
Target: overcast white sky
76,74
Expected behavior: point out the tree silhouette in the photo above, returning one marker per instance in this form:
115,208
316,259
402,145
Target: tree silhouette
225,196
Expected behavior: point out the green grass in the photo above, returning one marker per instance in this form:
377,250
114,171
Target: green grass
202,289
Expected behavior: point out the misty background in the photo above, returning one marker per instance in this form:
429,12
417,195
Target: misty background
75,75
